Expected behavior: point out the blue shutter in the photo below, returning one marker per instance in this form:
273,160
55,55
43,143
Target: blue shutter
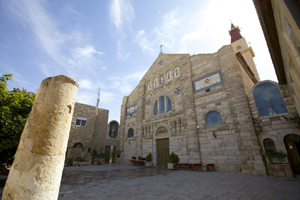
155,108
268,99
213,118
162,104
169,104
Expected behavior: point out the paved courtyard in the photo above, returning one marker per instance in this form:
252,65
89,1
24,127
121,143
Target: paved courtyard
120,181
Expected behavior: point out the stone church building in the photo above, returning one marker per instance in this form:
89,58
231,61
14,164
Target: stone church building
210,109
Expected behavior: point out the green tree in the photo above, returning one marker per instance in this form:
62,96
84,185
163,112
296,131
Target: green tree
15,106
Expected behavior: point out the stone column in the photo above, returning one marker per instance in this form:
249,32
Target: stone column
39,160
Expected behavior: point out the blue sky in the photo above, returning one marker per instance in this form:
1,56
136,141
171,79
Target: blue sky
113,43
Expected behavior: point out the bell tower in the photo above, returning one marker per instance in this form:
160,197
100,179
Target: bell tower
239,44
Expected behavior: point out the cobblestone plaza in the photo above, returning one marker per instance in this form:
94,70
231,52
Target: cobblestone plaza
122,181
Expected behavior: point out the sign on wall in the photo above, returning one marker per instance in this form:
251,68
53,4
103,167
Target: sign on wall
208,81
131,109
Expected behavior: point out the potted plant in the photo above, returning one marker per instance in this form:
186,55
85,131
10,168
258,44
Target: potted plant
148,160
173,158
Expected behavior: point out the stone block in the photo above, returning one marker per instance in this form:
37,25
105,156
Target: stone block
245,167
280,170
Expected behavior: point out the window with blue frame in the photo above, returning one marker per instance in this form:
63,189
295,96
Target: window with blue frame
162,104
155,108
169,104
213,118
268,99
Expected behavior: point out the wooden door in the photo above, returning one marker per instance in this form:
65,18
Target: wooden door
293,149
162,152
107,154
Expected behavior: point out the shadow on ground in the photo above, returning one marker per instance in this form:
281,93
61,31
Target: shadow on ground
80,177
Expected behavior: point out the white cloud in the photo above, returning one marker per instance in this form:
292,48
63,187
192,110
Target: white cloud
69,51
143,42
126,84
107,97
121,14
90,97
44,28
103,68
86,51
86,84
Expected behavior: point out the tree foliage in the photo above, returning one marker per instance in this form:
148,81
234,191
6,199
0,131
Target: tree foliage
15,106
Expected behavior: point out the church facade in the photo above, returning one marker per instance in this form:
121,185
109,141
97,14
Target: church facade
202,108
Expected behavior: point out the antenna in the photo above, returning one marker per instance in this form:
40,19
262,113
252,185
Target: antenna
98,98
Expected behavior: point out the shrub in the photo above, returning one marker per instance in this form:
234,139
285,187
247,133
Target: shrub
95,152
277,155
173,158
80,159
149,157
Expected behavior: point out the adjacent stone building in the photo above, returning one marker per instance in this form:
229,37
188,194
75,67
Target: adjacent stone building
280,22
204,108
91,131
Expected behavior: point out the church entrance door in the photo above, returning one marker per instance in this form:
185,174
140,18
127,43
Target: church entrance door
162,152
293,149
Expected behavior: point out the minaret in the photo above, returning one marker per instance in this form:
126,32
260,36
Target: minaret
239,44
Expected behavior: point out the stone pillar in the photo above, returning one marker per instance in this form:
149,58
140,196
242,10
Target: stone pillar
39,160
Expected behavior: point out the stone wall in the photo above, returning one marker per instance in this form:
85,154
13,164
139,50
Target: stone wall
276,127
93,136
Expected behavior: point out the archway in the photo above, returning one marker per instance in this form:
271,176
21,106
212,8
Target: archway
293,149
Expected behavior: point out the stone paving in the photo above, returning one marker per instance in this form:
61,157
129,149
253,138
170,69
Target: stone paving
120,181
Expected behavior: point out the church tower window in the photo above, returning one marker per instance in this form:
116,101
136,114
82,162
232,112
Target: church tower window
155,82
169,104
155,108
213,118
130,132
161,104
176,72
268,99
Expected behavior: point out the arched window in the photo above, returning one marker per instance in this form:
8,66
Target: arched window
161,79
161,104
213,118
269,145
113,129
268,99
78,145
169,76
169,104
155,108
130,132
149,85
176,72
155,82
